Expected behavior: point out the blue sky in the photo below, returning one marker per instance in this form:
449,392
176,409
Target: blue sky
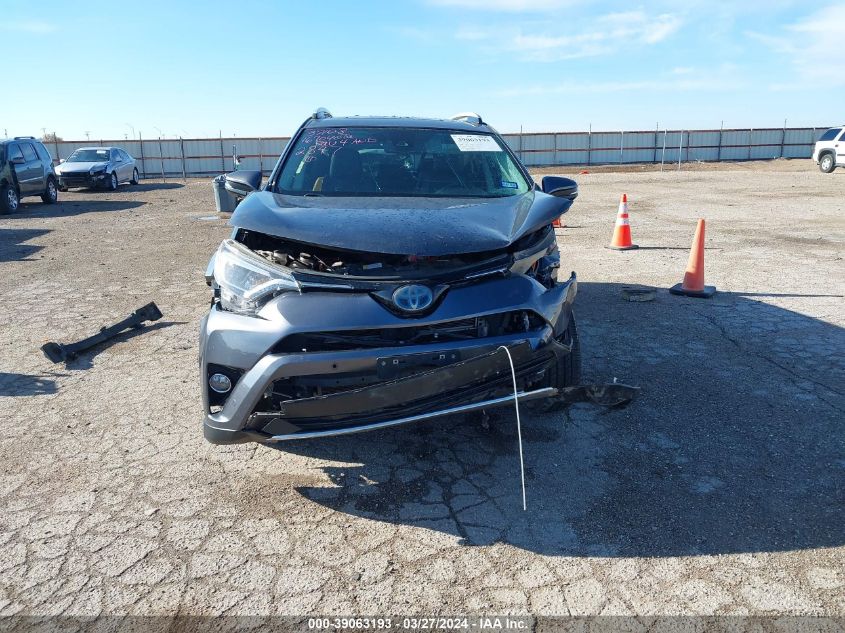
251,68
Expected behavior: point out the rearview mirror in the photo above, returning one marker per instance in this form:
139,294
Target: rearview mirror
243,183
560,187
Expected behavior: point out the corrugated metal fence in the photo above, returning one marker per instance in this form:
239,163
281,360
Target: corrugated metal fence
206,157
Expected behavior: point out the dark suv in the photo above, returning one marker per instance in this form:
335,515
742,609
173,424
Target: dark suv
392,270
26,169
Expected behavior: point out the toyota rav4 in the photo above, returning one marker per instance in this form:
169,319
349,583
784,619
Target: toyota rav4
391,270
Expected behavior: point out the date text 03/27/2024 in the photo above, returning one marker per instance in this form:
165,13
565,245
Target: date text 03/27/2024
479,623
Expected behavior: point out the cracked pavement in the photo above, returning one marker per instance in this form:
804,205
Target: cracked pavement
719,490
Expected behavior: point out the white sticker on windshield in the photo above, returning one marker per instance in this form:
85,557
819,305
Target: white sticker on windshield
476,143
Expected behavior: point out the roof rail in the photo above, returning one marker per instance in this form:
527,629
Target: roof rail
469,117
24,138
321,113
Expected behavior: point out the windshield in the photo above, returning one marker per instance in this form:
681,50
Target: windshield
347,161
89,156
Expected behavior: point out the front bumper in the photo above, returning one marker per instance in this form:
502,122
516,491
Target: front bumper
475,374
82,179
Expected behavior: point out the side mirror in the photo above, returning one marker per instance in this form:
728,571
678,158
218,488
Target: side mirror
560,187
61,160
243,183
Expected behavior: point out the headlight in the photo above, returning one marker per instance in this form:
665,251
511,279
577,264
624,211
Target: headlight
98,170
248,281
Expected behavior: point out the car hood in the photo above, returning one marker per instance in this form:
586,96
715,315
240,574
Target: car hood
75,167
402,226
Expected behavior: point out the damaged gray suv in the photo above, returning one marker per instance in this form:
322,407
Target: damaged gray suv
386,273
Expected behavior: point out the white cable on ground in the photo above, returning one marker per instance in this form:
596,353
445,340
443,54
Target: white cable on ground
518,426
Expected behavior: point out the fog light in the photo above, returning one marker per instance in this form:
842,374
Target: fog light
220,383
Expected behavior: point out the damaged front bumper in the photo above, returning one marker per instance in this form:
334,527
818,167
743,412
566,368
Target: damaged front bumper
399,384
82,179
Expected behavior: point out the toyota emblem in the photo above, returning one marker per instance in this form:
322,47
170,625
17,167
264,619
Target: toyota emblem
413,298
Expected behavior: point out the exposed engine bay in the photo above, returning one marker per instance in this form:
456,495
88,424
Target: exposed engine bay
535,254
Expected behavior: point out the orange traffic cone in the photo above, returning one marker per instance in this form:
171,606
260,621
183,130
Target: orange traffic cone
693,284
622,233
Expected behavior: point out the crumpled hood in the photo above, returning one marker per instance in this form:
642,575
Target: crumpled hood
78,167
399,226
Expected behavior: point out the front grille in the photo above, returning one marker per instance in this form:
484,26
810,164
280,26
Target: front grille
76,176
449,331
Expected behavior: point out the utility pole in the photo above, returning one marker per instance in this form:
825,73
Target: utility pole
87,135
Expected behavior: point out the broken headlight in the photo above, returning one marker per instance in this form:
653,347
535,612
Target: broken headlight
248,281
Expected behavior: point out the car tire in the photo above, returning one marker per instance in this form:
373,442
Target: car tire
566,372
135,177
9,199
827,162
112,182
51,193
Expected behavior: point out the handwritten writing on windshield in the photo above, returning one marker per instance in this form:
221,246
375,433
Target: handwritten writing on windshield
327,141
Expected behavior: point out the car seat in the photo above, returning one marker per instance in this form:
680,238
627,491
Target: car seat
345,171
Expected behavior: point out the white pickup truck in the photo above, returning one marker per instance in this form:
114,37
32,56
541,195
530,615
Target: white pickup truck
829,151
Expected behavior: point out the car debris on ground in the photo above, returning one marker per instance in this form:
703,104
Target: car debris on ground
60,352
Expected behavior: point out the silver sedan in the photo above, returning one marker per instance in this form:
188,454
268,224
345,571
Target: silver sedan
97,167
